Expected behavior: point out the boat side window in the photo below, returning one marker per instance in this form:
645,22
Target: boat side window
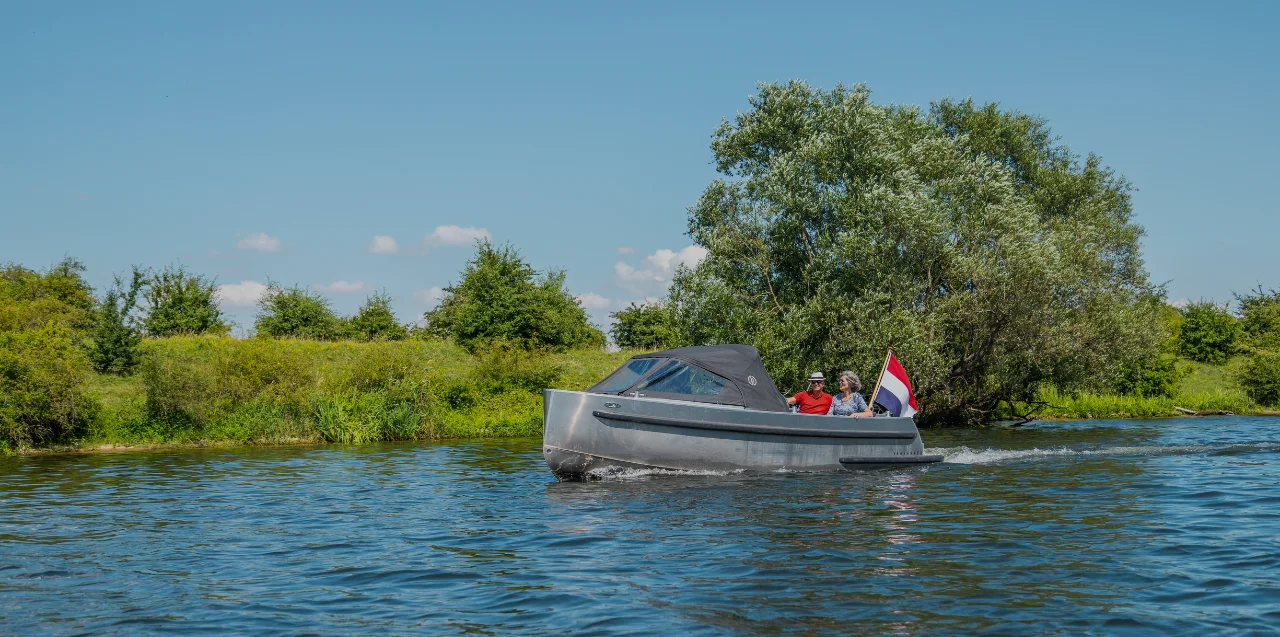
679,378
626,375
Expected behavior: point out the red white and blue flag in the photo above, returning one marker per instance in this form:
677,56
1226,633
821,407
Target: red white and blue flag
894,391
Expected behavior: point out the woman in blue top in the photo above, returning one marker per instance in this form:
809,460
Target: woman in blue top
849,402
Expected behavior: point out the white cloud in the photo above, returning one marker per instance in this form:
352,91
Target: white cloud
242,293
626,250
262,242
341,286
383,244
653,277
592,301
1180,303
431,296
455,236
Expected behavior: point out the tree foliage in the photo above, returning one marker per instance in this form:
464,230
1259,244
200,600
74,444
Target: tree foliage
1260,318
1154,377
501,297
1259,373
43,363
30,299
1208,333
989,255
375,320
42,376
182,303
115,336
648,326
296,312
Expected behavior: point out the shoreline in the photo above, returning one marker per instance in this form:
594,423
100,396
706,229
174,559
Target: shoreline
124,447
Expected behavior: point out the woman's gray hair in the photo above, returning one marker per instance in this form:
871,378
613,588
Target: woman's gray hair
854,383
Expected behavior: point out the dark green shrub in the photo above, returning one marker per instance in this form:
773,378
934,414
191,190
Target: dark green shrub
182,303
649,326
500,297
115,337
1155,377
1260,318
1260,377
42,376
376,321
1208,333
298,313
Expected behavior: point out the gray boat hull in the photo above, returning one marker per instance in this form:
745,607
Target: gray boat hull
595,434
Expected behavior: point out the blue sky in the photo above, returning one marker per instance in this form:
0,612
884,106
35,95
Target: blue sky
255,141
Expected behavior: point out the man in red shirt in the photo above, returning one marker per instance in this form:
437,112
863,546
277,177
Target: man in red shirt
813,401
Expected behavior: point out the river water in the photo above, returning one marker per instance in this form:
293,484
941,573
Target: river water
1140,527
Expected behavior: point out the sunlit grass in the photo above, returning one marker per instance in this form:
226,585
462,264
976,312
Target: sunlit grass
217,390
1202,387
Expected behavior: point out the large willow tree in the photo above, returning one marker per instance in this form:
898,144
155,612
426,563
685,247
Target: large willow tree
986,253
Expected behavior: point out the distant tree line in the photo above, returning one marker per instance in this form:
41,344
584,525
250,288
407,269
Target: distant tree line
54,330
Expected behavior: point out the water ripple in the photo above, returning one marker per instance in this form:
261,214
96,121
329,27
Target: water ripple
1167,527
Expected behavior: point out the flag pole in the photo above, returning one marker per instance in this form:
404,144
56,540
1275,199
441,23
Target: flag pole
881,377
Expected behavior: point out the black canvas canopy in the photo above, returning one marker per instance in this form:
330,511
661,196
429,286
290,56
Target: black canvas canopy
737,377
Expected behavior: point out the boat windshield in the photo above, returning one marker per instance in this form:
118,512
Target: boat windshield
677,377
626,375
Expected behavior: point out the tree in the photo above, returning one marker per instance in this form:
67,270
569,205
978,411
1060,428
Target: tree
501,297
376,321
648,326
1208,333
30,300
1260,318
298,313
115,336
966,237
182,303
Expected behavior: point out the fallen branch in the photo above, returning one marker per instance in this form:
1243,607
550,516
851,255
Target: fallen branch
1207,412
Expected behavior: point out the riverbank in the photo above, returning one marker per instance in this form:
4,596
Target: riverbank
219,391
1201,387
222,392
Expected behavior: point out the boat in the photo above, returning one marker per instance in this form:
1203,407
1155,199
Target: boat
709,409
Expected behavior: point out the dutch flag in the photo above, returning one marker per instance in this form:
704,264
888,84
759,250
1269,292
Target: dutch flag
894,391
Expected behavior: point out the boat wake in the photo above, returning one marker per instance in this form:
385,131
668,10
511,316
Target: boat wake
965,455
619,473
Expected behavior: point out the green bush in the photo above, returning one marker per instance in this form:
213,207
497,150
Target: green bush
1260,318
1260,377
376,321
502,298
298,313
207,388
42,377
29,300
1151,378
1208,333
182,303
650,326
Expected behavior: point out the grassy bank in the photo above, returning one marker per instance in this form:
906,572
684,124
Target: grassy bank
223,391
217,390
1201,387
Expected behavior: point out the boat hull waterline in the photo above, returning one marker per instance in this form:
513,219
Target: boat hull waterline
586,434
